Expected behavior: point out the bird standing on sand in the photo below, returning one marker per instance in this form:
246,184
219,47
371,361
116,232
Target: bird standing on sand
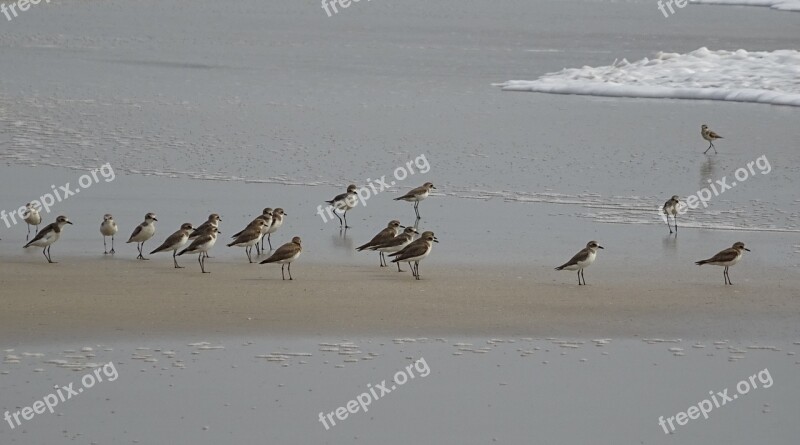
726,258
108,228
385,235
249,237
416,195
201,245
396,244
416,252
344,202
286,254
278,217
32,218
582,260
671,208
143,232
710,136
175,242
47,236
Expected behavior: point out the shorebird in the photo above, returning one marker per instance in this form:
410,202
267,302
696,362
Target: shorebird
201,245
582,260
277,221
32,217
416,195
108,228
416,252
344,202
396,244
212,221
266,216
710,136
249,237
143,232
175,241
385,235
671,208
47,236
726,258
285,255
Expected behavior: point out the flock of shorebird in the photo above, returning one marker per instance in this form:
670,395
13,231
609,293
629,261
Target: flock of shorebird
396,240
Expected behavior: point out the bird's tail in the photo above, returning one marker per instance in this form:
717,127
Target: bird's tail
231,244
182,251
268,260
701,262
560,268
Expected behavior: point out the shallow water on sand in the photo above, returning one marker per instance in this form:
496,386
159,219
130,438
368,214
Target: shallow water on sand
464,390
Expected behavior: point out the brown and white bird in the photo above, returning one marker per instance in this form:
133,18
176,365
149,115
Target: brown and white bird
582,260
710,136
174,242
201,245
397,243
108,228
212,221
278,217
143,232
250,237
48,235
416,195
416,252
266,216
286,254
344,202
390,232
671,207
726,258
32,218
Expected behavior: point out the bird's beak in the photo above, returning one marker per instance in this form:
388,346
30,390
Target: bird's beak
600,247
155,219
747,249
285,214
435,240
69,222
402,227
433,187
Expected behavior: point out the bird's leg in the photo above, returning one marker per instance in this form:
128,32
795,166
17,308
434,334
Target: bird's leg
112,244
416,266
247,251
269,240
670,228
175,259
105,249
282,276
345,220
341,224
290,271
398,267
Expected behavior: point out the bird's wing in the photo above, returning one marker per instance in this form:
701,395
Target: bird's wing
383,236
580,256
287,250
724,256
47,229
169,242
136,231
413,250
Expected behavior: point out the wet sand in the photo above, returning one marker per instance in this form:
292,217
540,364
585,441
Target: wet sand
123,298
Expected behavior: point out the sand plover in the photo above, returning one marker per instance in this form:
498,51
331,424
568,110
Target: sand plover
582,260
201,245
212,221
174,242
285,255
277,221
266,216
416,252
416,195
397,243
726,258
345,202
671,208
249,237
108,228
47,236
710,136
143,232
385,235
32,218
